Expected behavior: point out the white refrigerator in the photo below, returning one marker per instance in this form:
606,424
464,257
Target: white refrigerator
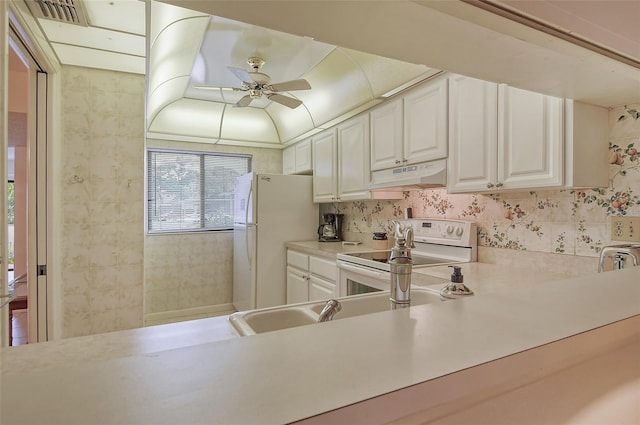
269,210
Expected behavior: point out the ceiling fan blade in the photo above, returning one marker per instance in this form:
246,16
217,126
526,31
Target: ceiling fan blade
217,88
241,74
245,101
291,85
285,100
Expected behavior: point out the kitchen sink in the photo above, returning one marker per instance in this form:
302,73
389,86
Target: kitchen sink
357,305
271,319
289,316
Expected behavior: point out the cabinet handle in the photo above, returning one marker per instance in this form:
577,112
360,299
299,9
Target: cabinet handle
405,160
489,185
397,161
499,184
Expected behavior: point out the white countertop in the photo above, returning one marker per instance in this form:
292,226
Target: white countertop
326,249
292,374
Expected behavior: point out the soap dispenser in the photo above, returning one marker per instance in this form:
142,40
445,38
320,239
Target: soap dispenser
456,288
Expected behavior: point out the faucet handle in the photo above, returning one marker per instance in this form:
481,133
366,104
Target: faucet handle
408,236
403,234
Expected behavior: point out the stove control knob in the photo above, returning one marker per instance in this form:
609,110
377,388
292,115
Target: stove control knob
449,229
459,231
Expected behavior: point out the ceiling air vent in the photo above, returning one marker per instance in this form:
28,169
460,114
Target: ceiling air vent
68,11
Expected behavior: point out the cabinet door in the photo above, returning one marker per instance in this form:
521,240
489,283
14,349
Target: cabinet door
425,123
297,285
323,267
473,138
321,290
530,139
353,159
325,176
289,160
303,157
386,135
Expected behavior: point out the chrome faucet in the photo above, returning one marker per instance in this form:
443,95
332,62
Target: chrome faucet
401,266
329,310
619,255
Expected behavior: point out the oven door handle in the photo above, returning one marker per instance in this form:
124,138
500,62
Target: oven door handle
363,271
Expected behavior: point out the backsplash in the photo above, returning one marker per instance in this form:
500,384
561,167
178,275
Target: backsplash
574,222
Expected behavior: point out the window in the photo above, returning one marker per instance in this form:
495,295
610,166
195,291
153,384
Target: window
192,191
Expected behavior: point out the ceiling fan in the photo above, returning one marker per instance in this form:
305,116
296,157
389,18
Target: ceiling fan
259,84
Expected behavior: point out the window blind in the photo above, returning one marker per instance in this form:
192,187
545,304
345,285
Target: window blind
192,191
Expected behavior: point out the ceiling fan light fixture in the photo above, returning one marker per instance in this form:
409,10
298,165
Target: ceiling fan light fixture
255,62
258,84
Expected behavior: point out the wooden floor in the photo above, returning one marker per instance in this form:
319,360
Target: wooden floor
20,327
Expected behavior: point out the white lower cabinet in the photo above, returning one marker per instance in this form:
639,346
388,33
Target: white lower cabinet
310,278
321,289
297,285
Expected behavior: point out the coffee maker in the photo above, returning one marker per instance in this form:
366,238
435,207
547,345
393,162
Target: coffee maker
330,229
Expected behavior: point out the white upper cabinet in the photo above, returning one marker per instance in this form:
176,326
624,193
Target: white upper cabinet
473,134
503,138
325,160
411,129
341,162
530,139
289,160
386,135
296,159
425,123
303,157
353,159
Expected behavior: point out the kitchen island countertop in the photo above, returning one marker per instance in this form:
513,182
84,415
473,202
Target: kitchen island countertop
297,373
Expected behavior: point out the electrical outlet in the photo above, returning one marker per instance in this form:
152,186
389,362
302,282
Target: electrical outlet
625,228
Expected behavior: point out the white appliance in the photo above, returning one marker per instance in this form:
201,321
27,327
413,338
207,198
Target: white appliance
269,210
411,177
437,242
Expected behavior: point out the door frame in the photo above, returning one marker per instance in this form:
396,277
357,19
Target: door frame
17,20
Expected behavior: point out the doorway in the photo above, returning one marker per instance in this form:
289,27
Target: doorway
26,187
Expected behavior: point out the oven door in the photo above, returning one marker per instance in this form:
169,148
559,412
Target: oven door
355,279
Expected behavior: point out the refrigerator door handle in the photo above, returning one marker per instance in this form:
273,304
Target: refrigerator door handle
246,221
247,205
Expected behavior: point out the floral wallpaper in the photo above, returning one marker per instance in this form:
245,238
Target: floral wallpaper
101,183
574,222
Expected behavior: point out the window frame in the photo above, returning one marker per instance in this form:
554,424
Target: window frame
201,154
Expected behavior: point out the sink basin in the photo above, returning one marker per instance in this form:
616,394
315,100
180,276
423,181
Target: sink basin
290,316
357,305
271,319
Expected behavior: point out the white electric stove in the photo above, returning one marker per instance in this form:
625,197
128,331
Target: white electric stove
437,242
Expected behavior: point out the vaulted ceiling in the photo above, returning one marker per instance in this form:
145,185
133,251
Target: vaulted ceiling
191,42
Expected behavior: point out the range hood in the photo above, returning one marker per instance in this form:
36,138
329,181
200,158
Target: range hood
411,177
